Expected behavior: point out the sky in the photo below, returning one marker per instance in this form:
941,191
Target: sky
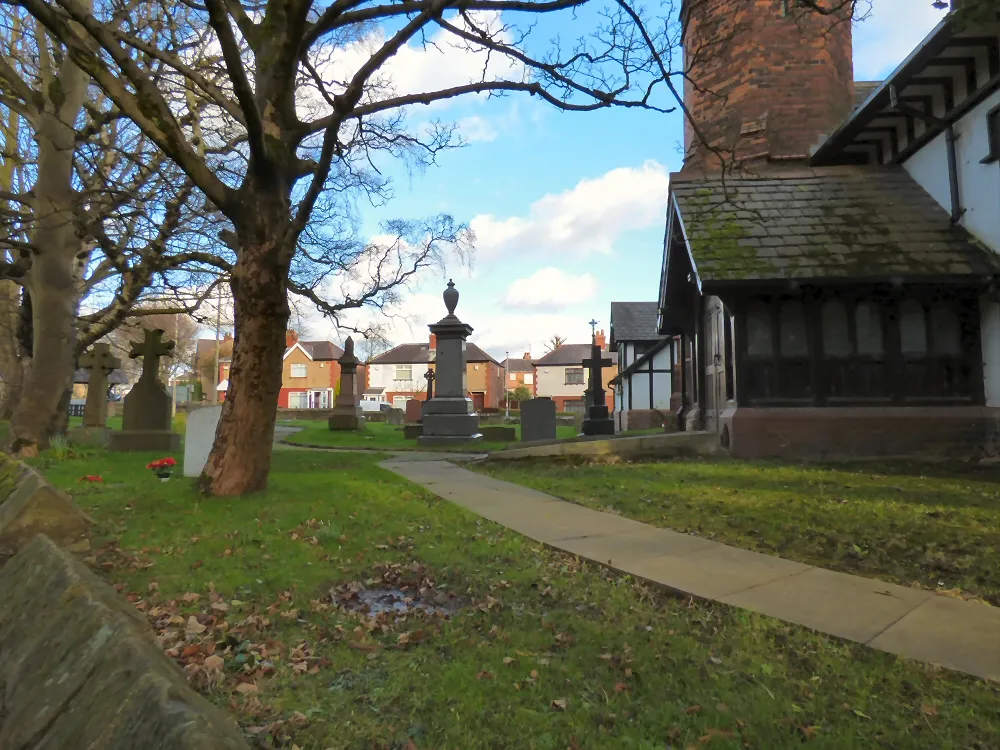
568,209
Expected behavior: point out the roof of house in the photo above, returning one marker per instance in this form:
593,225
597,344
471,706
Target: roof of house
374,390
115,377
571,355
206,348
833,222
864,89
408,354
321,351
634,321
518,365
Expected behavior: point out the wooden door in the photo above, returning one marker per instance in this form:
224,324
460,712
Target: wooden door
478,401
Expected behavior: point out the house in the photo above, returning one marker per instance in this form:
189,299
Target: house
400,373
837,293
310,374
643,385
518,372
560,375
205,365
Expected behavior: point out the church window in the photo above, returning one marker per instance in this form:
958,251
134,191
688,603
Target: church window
760,341
868,324
912,329
945,330
793,330
836,336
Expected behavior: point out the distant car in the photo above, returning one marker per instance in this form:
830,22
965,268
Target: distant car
370,406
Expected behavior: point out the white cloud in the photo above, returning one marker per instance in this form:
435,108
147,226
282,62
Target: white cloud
551,288
476,128
890,32
588,218
520,332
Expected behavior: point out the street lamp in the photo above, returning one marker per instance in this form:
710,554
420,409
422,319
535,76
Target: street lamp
506,384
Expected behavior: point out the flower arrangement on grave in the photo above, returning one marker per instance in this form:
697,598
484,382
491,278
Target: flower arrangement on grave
91,478
162,467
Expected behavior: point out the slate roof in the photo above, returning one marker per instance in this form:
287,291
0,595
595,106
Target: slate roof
322,351
408,354
828,222
864,89
634,321
518,365
567,355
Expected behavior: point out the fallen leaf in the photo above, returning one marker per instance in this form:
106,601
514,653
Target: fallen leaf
190,651
245,688
928,710
153,586
214,663
692,709
190,597
369,647
220,606
559,704
620,687
508,660
711,734
722,708
193,626
484,675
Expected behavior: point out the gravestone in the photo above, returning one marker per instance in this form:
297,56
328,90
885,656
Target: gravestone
499,434
199,437
413,409
146,418
99,363
597,420
394,417
347,408
538,419
449,417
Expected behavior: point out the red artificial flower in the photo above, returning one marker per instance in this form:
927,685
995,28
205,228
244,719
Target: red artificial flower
161,463
91,478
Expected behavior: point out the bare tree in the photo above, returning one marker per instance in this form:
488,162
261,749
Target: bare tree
554,343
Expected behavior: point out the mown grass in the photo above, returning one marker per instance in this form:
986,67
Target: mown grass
382,436
544,652
931,526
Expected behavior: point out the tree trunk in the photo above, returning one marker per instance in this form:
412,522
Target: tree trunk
11,369
241,455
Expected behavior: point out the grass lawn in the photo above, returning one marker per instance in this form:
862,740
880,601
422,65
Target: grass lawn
541,651
912,524
379,435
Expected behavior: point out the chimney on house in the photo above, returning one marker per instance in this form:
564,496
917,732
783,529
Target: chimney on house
291,338
768,79
527,355
433,342
227,336
600,340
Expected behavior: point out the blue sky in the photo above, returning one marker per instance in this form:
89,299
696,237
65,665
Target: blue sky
568,208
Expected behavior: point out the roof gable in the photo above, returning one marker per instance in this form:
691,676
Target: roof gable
567,355
634,321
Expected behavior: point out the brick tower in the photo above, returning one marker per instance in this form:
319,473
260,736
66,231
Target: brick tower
766,79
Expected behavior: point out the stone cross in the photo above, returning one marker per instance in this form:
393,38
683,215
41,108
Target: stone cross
99,363
429,377
597,420
595,366
593,330
151,349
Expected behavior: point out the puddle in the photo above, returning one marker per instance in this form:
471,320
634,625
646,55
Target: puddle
393,601
396,591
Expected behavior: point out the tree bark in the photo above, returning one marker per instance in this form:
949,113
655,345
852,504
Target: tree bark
241,455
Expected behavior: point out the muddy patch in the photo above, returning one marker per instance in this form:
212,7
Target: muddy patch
396,591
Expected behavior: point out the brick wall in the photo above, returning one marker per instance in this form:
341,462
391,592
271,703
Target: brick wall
766,81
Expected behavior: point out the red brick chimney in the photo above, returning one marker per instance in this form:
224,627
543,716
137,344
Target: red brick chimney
291,338
600,340
769,79
433,342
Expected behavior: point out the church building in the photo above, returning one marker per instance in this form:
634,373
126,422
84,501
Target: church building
831,269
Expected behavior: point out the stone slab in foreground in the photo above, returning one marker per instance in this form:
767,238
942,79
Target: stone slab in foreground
29,505
80,670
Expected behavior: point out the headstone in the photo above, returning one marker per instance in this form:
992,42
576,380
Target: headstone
449,417
347,408
199,438
394,416
413,409
597,420
499,434
98,363
412,431
147,416
429,377
538,419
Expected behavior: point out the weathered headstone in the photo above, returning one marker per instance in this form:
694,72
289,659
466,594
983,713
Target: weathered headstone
413,409
597,420
449,417
199,438
347,408
147,417
394,417
498,434
538,419
99,363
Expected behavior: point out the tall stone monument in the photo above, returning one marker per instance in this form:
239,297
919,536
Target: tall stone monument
146,418
596,420
448,418
99,363
347,413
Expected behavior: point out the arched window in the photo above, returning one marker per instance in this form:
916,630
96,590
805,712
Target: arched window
792,320
760,339
868,327
945,331
912,329
836,337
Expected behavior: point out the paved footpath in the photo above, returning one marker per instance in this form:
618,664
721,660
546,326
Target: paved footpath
920,625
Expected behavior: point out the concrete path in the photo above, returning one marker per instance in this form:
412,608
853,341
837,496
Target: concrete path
920,625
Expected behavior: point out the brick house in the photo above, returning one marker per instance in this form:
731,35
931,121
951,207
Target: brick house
400,373
837,293
310,373
559,375
519,372
204,364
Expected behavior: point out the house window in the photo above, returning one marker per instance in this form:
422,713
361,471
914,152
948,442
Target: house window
574,376
298,400
298,371
528,378
993,132
403,372
513,376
